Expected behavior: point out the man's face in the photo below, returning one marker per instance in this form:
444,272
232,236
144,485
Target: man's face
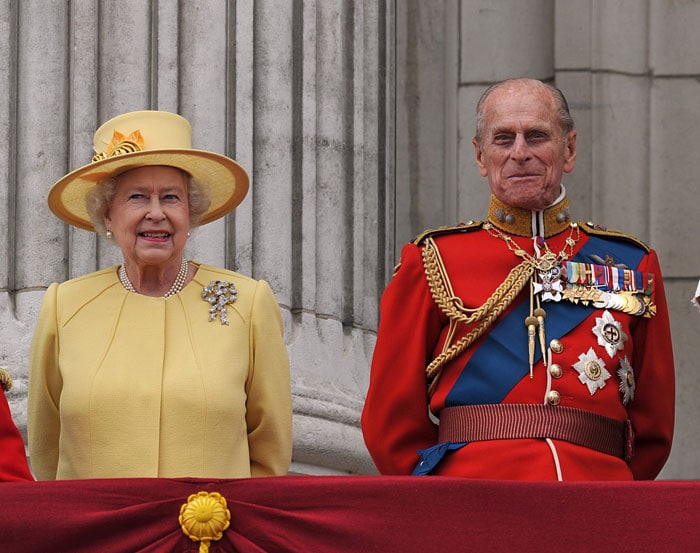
523,152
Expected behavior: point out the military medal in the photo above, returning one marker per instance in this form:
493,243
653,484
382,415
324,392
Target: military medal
592,371
627,381
549,286
627,302
610,334
545,271
609,287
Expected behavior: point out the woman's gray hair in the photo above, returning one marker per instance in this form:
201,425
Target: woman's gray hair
100,198
566,121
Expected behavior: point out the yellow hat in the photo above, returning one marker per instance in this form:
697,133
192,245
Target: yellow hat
143,138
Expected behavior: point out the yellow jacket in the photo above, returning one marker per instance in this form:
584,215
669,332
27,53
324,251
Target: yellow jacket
126,385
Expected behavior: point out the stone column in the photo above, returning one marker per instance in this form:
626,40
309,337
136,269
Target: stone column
628,69
299,92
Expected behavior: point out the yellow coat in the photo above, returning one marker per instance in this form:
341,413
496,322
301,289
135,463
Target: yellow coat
126,385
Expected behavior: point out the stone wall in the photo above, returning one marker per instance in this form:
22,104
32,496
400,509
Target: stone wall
630,71
354,119
296,91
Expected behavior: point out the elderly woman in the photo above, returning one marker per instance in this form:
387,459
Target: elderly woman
162,366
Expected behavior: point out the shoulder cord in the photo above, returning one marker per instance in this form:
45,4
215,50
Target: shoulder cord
453,307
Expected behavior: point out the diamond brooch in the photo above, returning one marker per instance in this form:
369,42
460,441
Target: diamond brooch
219,294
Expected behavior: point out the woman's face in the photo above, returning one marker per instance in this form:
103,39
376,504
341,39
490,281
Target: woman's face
149,216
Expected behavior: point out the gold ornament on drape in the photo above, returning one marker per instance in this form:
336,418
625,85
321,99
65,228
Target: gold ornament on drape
204,518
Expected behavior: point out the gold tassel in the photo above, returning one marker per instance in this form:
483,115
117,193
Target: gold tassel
540,314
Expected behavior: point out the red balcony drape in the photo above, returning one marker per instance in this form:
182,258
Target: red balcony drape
339,514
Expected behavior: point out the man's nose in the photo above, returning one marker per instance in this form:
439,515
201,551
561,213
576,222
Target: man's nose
521,149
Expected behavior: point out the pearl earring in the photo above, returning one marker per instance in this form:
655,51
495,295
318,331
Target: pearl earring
108,234
189,234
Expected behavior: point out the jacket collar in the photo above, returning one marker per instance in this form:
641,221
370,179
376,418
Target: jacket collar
523,222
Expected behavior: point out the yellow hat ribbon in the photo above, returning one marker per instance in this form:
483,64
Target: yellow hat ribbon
122,144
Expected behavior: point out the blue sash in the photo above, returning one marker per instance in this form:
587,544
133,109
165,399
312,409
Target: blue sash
501,360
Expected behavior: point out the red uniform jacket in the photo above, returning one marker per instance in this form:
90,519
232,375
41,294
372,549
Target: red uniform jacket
399,417
13,459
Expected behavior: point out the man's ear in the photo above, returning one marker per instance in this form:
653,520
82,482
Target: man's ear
570,152
479,157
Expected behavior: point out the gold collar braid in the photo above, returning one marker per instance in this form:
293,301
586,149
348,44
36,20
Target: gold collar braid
518,221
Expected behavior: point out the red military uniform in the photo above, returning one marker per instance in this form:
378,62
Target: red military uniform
13,459
457,307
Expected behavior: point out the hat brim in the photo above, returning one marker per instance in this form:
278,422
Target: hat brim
227,181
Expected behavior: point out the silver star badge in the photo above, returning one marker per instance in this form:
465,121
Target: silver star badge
627,381
610,334
591,371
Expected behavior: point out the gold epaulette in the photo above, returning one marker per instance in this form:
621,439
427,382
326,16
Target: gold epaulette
592,228
461,227
5,380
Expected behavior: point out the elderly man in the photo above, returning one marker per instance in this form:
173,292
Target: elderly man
527,346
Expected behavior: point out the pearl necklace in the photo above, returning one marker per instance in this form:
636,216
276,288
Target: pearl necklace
174,289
